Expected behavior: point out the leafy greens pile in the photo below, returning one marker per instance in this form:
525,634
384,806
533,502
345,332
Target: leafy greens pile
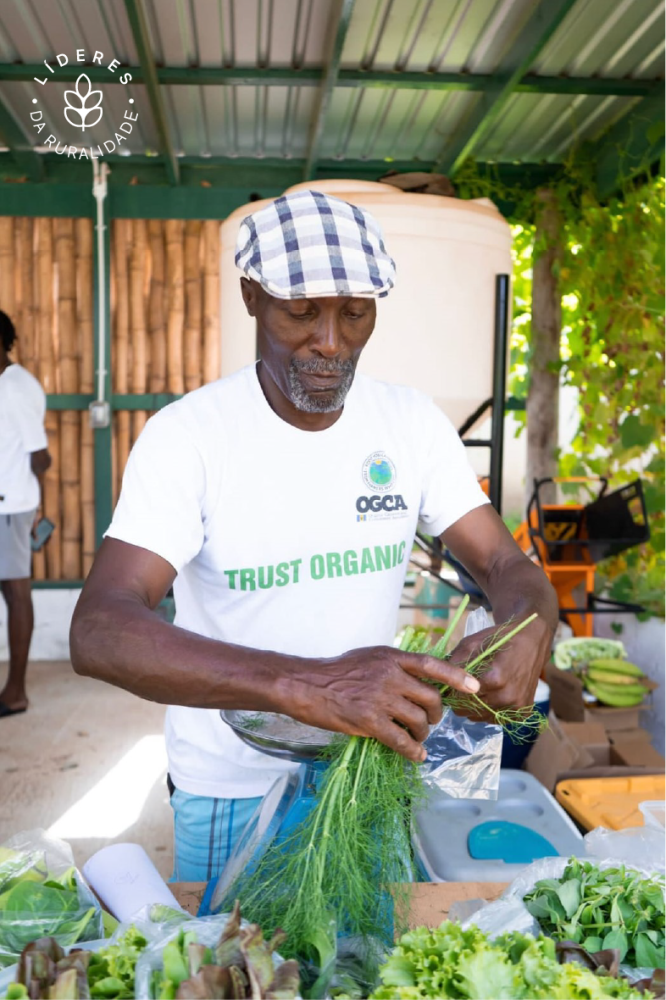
35,903
330,876
604,908
45,971
451,962
239,966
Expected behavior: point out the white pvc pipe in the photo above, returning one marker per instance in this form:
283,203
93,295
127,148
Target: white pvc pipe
99,191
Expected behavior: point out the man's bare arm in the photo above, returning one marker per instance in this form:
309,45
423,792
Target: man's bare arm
516,588
117,637
40,461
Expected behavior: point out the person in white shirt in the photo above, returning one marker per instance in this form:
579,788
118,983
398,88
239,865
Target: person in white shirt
281,503
24,458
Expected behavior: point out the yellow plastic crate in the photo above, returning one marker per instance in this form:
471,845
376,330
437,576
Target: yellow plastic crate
609,802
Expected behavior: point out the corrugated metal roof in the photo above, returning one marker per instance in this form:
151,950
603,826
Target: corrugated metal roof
597,38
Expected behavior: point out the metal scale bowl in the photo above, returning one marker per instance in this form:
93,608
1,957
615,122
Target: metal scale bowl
288,801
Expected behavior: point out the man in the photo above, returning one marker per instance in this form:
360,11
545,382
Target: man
281,503
23,459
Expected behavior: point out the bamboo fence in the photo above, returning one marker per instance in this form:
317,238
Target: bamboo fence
46,288
165,291
165,338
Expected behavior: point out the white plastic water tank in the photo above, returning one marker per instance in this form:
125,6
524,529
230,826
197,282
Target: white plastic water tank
435,329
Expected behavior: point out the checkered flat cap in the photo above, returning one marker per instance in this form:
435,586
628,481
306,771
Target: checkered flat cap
307,245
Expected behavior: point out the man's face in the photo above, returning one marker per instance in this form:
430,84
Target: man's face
310,347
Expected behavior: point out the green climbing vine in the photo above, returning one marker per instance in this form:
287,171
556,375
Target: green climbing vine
612,349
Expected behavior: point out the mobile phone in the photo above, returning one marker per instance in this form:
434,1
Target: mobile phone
43,532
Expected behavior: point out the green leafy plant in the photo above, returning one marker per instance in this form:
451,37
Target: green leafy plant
45,971
56,907
604,908
239,966
331,875
452,962
612,349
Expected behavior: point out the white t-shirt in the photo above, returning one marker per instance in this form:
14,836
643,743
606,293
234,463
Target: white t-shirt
22,409
286,540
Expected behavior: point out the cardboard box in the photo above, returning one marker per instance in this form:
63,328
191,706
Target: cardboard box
569,705
593,737
429,904
620,735
635,752
189,895
556,753
614,719
556,756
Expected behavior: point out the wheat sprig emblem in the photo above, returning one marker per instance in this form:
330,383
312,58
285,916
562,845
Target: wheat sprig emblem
82,102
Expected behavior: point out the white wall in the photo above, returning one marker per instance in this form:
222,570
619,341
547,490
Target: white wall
53,614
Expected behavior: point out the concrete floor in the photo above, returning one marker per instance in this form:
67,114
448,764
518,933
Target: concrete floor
87,760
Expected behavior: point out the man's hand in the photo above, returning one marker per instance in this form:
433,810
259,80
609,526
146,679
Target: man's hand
513,673
378,692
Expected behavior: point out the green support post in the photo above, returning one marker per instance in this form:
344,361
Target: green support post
102,467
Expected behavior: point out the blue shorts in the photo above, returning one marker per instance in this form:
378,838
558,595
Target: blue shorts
205,832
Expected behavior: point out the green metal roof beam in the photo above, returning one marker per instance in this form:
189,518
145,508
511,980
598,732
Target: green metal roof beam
540,28
13,136
630,147
330,78
136,16
252,76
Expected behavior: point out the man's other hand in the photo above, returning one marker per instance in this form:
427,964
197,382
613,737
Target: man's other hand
512,675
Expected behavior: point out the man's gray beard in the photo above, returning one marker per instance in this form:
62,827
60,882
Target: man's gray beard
310,402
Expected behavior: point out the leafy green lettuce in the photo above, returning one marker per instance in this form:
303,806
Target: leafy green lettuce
451,962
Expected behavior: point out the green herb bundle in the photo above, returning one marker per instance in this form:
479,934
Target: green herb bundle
604,908
331,876
521,724
452,962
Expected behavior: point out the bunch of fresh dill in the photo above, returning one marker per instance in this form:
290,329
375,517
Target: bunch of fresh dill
338,873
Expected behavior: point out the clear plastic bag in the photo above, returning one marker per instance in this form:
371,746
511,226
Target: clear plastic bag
502,917
464,756
42,894
509,913
640,847
207,930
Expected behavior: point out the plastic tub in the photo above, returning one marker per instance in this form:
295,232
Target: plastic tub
443,827
611,802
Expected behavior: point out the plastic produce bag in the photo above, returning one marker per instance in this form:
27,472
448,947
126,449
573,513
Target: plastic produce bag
509,913
464,756
43,894
641,847
205,931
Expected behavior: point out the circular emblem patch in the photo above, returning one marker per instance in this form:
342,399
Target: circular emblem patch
378,472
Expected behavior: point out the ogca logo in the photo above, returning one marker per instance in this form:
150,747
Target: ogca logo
82,110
